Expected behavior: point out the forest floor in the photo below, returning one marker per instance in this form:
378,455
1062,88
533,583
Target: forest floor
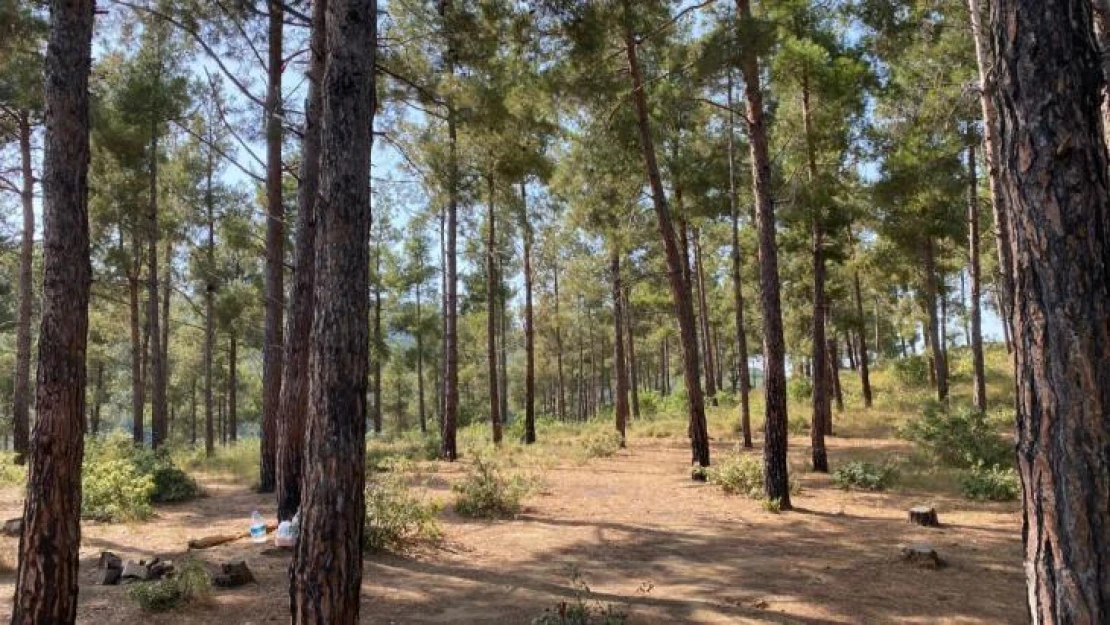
636,529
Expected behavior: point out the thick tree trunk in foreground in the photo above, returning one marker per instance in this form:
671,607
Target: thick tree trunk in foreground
21,393
326,572
275,256
684,310
295,373
619,369
979,384
46,580
775,470
1054,175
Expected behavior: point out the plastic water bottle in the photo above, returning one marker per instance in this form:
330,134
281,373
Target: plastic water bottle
258,528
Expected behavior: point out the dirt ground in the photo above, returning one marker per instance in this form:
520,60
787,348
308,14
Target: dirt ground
642,536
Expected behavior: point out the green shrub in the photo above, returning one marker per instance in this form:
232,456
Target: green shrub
11,474
649,403
485,493
395,518
912,371
958,438
738,476
114,490
601,444
189,583
799,388
797,425
774,506
864,475
991,483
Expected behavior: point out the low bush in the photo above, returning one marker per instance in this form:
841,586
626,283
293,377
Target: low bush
958,438
864,475
799,388
912,371
11,474
120,481
487,494
738,476
991,484
395,518
601,444
797,425
774,506
189,583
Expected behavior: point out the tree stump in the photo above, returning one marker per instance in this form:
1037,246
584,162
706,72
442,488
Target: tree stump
234,574
135,572
924,516
13,527
923,556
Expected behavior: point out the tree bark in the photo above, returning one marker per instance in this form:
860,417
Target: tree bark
529,328
21,422
936,352
834,377
295,372
776,479
864,373
743,375
822,415
991,131
979,384
209,307
491,315
378,351
138,388
1053,165
157,366
684,310
561,407
275,254
633,367
232,387
46,579
621,409
98,399
450,335
326,572
703,308
1101,9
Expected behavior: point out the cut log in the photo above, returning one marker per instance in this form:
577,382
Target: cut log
109,560
211,541
924,516
135,572
110,577
234,574
923,556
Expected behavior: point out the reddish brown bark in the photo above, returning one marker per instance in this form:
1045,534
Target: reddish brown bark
46,580
22,390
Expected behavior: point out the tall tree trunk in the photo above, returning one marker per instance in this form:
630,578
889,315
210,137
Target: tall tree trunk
21,422
450,335
936,352
378,352
502,345
864,373
743,374
1054,175
633,367
561,407
834,378
979,384
209,308
193,412
991,148
232,387
822,415
138,388
326,572
529,328
620,403
167,293
421,409
491,315
295,373
157,366
851,351
776,479
684,309
46,580
275,254
703,314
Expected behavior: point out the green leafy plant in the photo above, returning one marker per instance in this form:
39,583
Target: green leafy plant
11,474
114,490
991,483
395,518
912,371
774,506
958,438
864,475
487,494
799,388
601,444
189,583
738,476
